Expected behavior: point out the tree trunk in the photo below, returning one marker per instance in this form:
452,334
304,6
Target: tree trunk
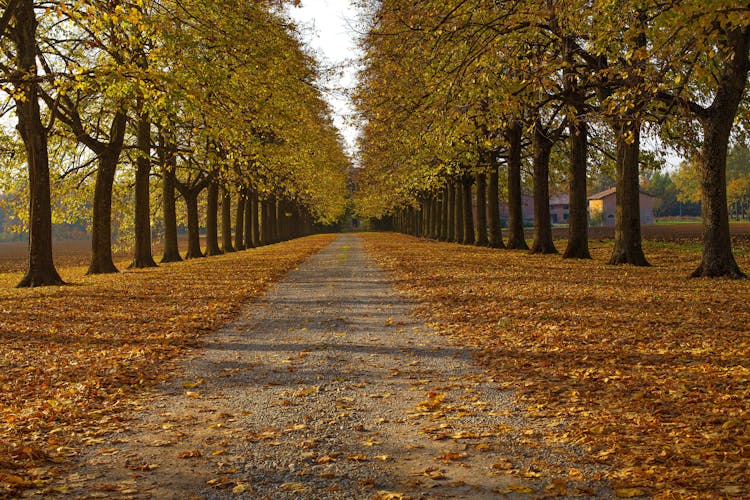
435,213
468,214
627,249
101,227
248,220
264,222
212,215
495,236
717,258
578,221
444,210
142,256
171,247
239,224
226,220
516,239
459,218
41,270
274,213
451,211
254,227
542,225
194,238
482,239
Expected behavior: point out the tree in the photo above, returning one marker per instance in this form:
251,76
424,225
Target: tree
706,85
19,20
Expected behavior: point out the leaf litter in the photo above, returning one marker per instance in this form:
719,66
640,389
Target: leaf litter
643,369
77,361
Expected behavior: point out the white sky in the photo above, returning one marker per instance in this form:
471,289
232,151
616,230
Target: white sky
328,26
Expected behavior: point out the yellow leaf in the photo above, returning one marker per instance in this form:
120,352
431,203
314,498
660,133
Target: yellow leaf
240,488
193,385
388,495
520,488
629,492
295,487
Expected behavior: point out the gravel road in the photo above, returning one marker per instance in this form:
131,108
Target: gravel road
329,388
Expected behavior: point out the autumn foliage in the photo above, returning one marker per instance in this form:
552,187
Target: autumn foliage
77,359
645,371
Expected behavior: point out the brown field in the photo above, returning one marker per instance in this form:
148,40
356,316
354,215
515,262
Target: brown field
67,253
659,232
75,253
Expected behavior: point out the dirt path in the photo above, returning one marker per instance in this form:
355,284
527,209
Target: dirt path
329,388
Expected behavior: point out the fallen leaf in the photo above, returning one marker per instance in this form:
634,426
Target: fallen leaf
629,492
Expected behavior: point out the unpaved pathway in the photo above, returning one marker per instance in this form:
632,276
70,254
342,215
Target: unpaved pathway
328,388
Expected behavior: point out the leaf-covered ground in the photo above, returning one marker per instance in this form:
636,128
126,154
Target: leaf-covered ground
75,359
646,370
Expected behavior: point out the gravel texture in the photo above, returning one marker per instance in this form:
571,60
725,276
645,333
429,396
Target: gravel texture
329,388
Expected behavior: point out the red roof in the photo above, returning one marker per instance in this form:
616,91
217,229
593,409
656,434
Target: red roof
610,192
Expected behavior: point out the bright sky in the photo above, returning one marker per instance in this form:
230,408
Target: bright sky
329,29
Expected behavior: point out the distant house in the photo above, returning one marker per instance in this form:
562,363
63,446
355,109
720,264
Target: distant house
527,209
602,207
559,208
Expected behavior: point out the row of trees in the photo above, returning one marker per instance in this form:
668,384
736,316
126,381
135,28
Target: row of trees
114,98
680,191
453,90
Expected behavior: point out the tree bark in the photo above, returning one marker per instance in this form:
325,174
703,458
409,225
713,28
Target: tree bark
468,214
542,145
190,192
212,216
41,270
578,221
226,220
451,229
101,227
171,247
717,258
248,220
627,248
445,210
239,224
273,220
459,217
516,238
495,236
194,241
254,227
263,219
142,256
482,239
435,212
